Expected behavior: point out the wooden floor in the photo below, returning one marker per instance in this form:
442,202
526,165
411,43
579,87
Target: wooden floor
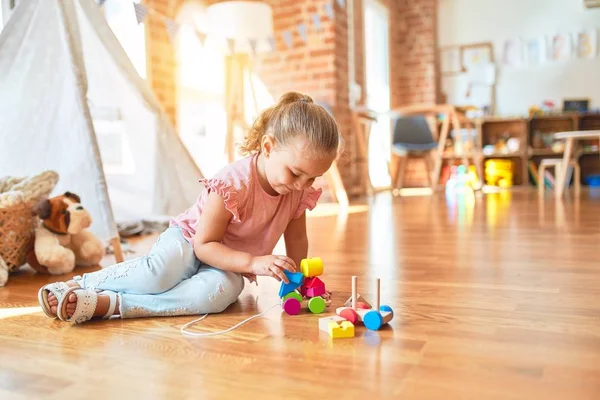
495,297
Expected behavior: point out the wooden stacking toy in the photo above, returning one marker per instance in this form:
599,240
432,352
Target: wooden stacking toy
373,319
304,285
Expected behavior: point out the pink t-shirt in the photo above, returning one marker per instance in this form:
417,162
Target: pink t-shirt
258,218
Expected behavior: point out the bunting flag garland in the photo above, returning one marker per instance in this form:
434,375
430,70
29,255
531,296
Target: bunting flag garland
271,41
252,43
172,29
231,45
140,12
302,31
316,19
329,10
287,36
201,36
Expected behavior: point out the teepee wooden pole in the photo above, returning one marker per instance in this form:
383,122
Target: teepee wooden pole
117,249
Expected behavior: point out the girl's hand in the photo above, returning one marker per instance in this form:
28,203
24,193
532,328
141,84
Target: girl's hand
251,278
272,266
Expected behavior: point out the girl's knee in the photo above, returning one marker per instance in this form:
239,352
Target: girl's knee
226,291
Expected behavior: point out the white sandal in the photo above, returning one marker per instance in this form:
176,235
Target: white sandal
86,305
58,289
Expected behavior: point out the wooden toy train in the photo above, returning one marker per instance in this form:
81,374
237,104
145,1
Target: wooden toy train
304,285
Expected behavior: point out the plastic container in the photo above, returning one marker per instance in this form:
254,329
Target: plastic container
593,180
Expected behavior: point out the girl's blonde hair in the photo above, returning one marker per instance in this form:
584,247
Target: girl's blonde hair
295,115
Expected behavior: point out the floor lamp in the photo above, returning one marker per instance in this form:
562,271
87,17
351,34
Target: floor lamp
244,26
238,23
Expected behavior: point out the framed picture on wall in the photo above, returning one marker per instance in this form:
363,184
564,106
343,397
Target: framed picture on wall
450,62
576,105
475,55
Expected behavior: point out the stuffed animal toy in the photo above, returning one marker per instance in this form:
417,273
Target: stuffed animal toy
62,241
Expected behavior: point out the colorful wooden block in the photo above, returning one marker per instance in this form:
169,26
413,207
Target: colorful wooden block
324,322
386,308
350,315
293,295
343,330
373,320
315,292
313,282
316,305
313,287
292,306
311,267
295,279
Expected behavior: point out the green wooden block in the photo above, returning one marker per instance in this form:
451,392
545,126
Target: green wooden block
292,295
316,305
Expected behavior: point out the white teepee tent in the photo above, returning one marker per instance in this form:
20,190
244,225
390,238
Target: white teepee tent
71,101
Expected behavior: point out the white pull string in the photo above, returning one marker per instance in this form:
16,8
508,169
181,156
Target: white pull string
197,334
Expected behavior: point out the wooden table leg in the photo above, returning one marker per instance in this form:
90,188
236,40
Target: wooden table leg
439,156
117,250
562,175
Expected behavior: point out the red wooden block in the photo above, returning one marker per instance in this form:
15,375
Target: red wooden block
303,290
349,315
313,282
316,291
312,287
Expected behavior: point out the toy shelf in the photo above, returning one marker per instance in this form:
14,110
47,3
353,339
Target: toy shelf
534,141
505,139
542,145
543,128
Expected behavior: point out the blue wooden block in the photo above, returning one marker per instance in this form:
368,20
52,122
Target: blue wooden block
373,320
295,279
286,288
386,308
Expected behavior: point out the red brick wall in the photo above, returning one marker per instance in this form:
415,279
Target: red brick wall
413,41
319,67
161,56
413,51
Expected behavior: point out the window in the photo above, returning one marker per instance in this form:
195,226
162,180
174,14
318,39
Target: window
120,15
376,27
201,113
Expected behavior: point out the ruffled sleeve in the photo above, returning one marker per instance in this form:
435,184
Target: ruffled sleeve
230,195
308,200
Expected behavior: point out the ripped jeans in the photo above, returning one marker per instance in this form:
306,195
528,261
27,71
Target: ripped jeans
169,281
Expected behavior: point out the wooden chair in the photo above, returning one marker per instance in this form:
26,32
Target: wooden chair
556,163
412,139
451,117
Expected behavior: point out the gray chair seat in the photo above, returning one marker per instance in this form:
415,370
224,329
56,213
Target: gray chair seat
414,147
412,137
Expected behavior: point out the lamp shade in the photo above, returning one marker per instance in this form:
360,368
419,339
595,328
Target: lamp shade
242,21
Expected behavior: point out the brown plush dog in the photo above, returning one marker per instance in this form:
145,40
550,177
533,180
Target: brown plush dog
63,241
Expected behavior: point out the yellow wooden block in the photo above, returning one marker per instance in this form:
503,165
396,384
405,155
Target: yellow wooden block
311,267
324,322
343,330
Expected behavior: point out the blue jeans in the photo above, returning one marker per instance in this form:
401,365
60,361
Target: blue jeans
169,281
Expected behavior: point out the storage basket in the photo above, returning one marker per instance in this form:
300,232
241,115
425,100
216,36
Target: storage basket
17,233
